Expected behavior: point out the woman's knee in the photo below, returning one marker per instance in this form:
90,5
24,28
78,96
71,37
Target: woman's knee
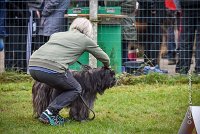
79,89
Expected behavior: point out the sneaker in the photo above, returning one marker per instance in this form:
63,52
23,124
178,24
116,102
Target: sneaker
53,120
156,69
171,62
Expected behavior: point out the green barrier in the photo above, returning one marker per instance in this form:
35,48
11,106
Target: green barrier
109,37
101,10
84,59
78,10
109,10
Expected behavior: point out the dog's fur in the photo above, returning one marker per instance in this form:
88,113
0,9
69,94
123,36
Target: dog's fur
93,81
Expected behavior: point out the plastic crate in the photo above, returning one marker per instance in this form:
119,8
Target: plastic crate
109,10
101,10
78,10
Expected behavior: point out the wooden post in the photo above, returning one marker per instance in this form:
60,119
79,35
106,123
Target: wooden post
93,18
2,67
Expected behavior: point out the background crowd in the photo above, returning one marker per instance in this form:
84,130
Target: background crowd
155,16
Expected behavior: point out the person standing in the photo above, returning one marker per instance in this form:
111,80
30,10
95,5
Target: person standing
2,23
171,44
52,19
189,27
151,13
129,33
2,33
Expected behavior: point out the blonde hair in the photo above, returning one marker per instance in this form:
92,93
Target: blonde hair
83,25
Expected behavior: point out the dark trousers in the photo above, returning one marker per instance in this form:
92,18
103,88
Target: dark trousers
189,25
124,51
171,45
67,87
152,38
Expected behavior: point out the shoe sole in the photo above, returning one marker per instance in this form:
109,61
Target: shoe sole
47,122
44,121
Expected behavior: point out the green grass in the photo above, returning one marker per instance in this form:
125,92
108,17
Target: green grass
154,105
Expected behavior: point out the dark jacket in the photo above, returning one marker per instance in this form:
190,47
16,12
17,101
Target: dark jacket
189,3
128,7
52,19
128,29
184,4
151,11
2,18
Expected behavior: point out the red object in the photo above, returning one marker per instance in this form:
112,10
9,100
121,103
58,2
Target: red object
132,55
170,4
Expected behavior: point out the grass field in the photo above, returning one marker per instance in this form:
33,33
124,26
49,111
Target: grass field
147,105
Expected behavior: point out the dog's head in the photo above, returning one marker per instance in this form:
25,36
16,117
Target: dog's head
95,80
104,79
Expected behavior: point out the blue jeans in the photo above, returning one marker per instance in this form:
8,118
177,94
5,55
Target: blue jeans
171,45
187,36
1,44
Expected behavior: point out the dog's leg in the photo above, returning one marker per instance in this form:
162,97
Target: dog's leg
79,111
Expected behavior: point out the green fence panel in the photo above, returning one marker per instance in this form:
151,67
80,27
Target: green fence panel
109,37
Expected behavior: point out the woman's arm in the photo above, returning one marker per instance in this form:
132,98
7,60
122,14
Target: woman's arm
98,53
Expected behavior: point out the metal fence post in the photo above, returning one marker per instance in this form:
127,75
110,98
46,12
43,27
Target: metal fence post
93,18
2,68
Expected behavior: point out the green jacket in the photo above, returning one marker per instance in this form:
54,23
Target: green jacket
64,49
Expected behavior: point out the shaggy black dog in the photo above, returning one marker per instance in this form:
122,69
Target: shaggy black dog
93,81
